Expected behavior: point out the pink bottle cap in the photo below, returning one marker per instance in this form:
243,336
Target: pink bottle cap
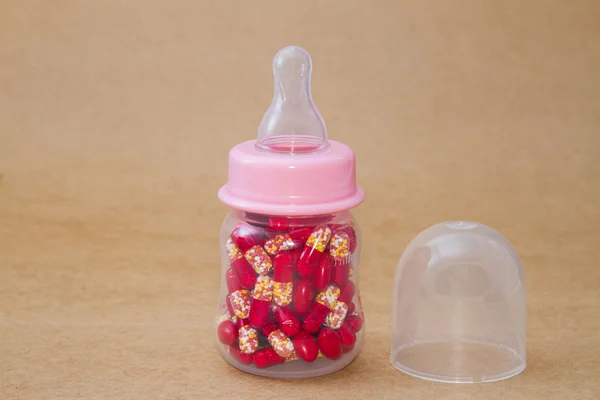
292,168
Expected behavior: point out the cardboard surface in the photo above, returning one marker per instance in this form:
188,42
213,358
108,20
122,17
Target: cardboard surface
115,122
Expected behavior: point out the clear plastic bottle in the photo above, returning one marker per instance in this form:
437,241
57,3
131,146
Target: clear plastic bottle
289,305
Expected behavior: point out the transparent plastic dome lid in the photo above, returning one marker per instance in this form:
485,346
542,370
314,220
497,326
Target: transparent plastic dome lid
459,312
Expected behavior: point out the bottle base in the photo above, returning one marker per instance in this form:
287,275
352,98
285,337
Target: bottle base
296,369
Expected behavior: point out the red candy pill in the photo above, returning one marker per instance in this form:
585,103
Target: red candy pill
267,358
313,250
315,318
261,301
244,273
322,274
283,267
306,346
245,236
347,292
302,296
347,336
330,344
232,282
340,273
288,322
349,230
299,236
243,358
354,322
227,332
242,270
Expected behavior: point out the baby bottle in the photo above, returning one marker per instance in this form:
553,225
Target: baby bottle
289,305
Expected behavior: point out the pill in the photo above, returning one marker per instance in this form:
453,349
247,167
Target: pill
347,336
349,230
261,301
281,343
313,250
302,296
347,292
246,236
330,344
248,338
336,317
300,235
340,272
287,321
322,273
306,346
329,296
279,243
259,260
339,247
315,318
232,282
283,272
267,358
240,301
227,332
355,322
243,271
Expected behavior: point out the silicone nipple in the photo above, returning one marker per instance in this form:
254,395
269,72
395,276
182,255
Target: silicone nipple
292,124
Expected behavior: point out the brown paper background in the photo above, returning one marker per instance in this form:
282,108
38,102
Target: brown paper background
115,122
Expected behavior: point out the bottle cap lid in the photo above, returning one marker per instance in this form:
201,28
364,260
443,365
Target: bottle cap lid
459,312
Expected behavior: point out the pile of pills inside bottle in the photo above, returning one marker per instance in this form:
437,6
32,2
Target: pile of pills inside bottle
290,291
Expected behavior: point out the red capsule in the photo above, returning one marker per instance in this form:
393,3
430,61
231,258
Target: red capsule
322,274
315,318
349,230
282,344
282,277
242,270
283,267
227,332
347,336
232,282
340,273
243,358
244,273
300,235
347,292
302,296
313,250
245,236
267,358
330,344
306,346
288,322
260,306
354,322
279,243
